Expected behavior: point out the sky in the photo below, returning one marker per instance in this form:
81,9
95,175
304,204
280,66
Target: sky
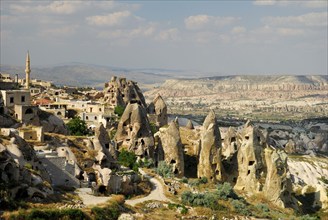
224,37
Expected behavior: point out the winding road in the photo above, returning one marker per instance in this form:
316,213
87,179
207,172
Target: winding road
157,193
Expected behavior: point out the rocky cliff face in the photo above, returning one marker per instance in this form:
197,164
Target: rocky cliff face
209,165
121,92
170,142
20,169
157,111
134,132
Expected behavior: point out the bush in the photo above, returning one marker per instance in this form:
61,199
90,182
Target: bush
203,180
153,128
119,110
184,180
165,170
207,199
240,207
226,191
109,212
75,214
128,159
308,217
77,127
183,208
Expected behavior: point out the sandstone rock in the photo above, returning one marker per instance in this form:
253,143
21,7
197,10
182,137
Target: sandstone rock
126,216
122,92
251,167
104,146
134,132
157,110
278,186
209,165
170,142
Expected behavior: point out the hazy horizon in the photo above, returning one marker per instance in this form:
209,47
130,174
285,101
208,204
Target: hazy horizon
225,37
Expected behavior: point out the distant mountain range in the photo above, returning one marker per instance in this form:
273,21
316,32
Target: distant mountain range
80,74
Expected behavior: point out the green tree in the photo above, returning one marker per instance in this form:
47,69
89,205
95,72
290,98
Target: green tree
128,159
77,127
119,110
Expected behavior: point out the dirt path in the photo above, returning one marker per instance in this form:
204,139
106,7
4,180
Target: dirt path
89,199
157,192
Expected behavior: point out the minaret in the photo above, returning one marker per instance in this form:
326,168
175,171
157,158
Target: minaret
27,71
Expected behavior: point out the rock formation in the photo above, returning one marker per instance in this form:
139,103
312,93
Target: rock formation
251,167
229,152
262,169
290,147
106,152
277,187
157,110
20,170
209,165
133,131
170,142
121,92
118,184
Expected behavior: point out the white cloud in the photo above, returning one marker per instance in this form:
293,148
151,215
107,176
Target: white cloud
128,34
59,32
264,2
284,3
56,7
238,30
112,19
169,34
315,19
290,32
197,22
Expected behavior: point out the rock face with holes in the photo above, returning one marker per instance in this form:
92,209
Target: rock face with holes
251,167
114,183
278,186
170,142
157,111
209,165
106,152
230,148
262,169
120,92
20,169
134,133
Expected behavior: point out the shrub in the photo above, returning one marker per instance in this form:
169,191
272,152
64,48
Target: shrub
184,180
207,199
203,180
165,170
153,128
119,110
262,207
226,191
75,214
77,127
183,209
240,207
148,163
109,212
308,217
128,159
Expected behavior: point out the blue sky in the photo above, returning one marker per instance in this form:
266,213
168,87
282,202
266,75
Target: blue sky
224,37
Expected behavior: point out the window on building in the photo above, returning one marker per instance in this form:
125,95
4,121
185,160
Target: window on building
95,117
23,98
86,117
100,109
90,109
11,100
